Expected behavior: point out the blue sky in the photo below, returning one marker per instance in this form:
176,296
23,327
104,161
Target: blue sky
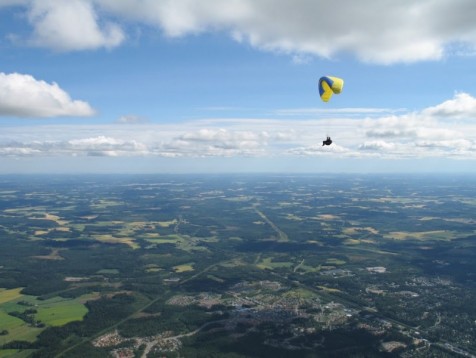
211,86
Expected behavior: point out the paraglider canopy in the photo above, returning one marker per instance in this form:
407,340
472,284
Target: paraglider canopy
328,85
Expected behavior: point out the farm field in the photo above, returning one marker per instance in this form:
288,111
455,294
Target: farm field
33,315
214,265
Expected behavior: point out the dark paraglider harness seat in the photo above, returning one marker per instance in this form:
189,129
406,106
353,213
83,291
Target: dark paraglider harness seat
328,141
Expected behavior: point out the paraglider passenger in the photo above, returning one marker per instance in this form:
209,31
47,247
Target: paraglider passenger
328,141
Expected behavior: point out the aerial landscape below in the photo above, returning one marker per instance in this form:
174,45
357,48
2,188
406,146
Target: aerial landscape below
238,179
237,266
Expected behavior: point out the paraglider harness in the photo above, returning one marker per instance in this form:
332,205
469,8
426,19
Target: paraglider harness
328,141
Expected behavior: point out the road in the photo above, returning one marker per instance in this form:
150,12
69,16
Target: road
281,234
143,308
298,266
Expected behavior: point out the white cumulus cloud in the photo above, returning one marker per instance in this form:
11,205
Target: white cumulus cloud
220,142
454,144
374,31
437,122
105,146
71,25
377,145
24,96
462,106
131,119
416,134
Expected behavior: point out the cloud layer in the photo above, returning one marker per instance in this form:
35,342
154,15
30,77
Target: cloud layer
447,130
390,32
24,96
71,25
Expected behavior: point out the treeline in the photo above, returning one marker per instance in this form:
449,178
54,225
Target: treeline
42,277
168,318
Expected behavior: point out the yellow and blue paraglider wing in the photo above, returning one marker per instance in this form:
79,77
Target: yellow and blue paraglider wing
329,85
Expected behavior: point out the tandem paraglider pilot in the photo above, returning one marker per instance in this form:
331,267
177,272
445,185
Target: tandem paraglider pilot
328,141
329,85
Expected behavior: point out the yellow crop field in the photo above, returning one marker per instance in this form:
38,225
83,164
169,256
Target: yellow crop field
422,235
183,268
10,295
327,217
167,223
117,240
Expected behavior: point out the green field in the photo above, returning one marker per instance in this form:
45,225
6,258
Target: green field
15,353
237,266
267,263
56,311
62,312
182,242
17,329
